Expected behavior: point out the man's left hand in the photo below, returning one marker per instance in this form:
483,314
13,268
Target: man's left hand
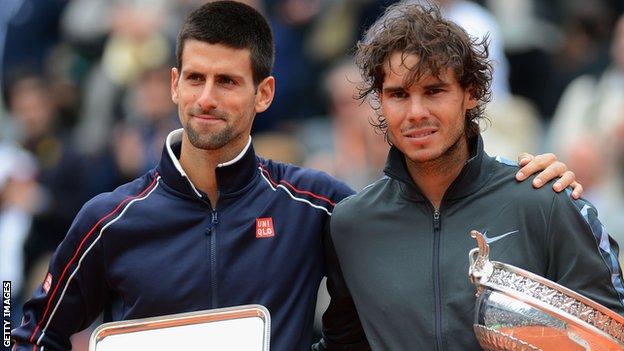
550,168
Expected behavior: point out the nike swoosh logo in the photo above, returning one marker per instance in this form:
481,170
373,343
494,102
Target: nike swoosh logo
490,240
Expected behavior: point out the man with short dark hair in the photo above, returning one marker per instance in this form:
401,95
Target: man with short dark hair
401,245
213,225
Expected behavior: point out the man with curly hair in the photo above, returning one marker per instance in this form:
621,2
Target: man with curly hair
398,266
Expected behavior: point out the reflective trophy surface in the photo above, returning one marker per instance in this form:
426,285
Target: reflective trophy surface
240,328
517,310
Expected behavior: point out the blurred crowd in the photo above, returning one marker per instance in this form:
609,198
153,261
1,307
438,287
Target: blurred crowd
86,105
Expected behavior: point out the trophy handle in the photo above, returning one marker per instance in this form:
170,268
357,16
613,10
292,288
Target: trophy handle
484,248
480,266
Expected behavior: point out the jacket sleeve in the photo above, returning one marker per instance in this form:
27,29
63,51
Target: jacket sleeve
342,330
73,292
582,255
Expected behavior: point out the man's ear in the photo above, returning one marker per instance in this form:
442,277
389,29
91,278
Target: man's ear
470,101
265,94
175,75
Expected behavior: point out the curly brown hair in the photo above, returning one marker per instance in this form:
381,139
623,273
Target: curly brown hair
420,30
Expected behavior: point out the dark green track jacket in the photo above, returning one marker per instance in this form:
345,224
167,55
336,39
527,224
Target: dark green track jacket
403,266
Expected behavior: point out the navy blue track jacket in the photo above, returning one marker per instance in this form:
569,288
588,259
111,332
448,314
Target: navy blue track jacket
155,246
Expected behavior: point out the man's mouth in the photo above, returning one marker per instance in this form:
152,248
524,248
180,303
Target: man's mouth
420,133
207,117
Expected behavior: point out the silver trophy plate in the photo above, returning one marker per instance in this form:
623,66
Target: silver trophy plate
517,310
244,328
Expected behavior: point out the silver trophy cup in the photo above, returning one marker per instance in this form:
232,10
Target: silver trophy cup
519,311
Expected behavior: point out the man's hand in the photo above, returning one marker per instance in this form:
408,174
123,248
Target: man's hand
550,168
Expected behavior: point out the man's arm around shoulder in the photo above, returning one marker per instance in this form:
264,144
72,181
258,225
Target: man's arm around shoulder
342,330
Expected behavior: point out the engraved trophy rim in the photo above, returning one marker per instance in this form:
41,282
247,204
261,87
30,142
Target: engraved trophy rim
568,305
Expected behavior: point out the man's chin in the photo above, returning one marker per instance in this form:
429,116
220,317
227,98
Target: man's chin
208,145
423,157
207,142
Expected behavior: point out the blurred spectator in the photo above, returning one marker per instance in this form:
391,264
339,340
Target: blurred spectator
135,143
514,126
593,104
137,42
122,160
530,42
9,7
295,94
18,193
603,181
339,26
279,146
60,170
346,146
584,49
31,31
522,30
587,128
148,104
480,23
343,144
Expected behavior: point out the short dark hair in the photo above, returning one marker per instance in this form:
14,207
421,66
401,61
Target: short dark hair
420,30
235,25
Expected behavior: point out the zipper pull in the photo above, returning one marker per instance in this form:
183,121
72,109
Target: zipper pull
436,219
214,220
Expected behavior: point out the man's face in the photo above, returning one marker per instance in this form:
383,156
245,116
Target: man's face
216,96
32,107
425,120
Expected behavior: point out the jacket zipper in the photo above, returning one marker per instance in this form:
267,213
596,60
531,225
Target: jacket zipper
436,279
212,233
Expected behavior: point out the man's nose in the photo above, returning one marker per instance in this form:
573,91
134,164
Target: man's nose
418,109
208,98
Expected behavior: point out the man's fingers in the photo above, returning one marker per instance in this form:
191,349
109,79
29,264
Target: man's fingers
578,190
567,179
546,162
553,171
524,158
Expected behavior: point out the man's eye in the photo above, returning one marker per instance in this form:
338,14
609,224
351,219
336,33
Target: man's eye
227,81
434,91
195,78
398,94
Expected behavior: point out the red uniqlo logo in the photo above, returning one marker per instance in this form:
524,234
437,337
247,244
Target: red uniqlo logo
264,227
47,283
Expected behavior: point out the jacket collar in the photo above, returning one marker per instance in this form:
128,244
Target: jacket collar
232,176
472,177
